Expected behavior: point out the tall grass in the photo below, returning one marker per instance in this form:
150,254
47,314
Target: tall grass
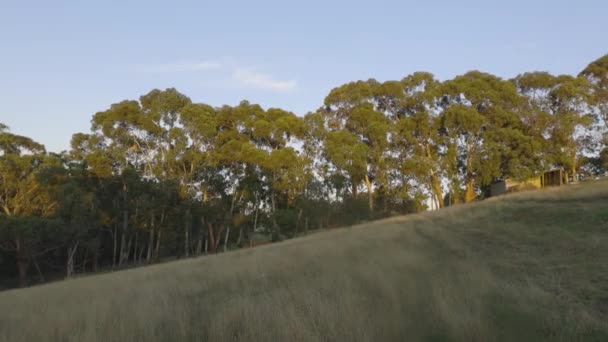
530,267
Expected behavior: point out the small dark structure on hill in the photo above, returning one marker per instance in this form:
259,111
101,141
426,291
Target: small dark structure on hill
554,177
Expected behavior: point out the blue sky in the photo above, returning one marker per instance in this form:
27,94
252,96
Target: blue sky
62,61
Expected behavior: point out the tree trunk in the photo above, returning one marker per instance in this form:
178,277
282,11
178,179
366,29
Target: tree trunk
114,244
150,240
436,185
70,261
469,195
226,238
370,195
127,250
95,260
573,170
470,192
238,240
211,237
275,226
22,262
255,218
85,257
157,249
121,252
199,245
255,222
234,200
22,269
158,238
354,189
455,198
298,221
142,250
201,235
135,248
40,275
218,237
187,232
125,225
214,240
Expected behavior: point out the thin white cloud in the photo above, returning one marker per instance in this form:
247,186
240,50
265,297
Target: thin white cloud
241,76
255,79
522,46
181,67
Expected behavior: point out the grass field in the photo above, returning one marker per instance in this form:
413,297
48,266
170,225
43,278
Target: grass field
525,267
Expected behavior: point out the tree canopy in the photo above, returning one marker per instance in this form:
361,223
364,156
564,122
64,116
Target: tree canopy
163,177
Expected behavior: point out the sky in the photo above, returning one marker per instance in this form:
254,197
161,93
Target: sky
63,61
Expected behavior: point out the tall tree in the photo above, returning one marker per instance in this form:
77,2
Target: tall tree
417,141
565,101
24,200
480,111
596,74
355,121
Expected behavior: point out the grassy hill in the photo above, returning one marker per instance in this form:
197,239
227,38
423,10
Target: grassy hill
530,266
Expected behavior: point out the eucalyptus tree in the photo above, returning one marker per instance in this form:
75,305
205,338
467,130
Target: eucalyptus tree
142,138
596,74
174,156
91,153
26,203
357,142
233,149
200,126
131,140
572,120
416,141
343,146
274,131
481,122
565,101
76,193
372,128
326,186
330,184
117,152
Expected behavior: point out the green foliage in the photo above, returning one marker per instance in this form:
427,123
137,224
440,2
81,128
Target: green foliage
162,177
355,210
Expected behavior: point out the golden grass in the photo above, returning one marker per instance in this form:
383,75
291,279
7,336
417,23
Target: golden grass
531,266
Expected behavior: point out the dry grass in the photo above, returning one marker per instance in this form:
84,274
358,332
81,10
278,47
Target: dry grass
530,266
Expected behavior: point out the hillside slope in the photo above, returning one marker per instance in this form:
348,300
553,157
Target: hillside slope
531,266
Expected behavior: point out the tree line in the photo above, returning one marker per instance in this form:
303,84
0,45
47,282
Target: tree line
163,177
